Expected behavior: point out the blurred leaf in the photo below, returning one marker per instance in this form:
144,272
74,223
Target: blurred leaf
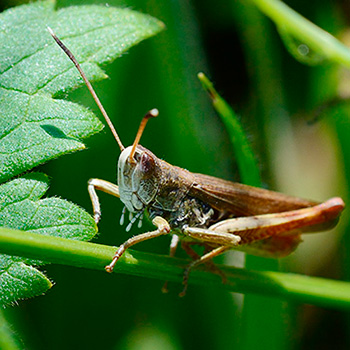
317,44
8,339
298,49
34,127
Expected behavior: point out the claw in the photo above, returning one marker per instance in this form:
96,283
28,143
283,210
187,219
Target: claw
97,217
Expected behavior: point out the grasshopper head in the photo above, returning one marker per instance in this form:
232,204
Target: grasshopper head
137,182
136,164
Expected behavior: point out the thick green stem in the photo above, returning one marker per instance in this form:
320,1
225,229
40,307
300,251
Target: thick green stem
318,291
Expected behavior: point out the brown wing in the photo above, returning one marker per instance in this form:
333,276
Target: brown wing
242,200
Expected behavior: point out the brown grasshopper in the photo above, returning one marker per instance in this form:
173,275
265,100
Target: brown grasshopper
199,209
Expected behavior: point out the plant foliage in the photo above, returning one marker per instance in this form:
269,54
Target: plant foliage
36,126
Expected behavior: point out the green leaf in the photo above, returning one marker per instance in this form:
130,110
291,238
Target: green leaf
19,281
21,208
315,44
34,127
299,50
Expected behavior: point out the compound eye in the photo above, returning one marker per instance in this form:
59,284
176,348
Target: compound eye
137,156
146,163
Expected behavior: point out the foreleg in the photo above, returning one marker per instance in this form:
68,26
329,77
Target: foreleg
162,229
101,185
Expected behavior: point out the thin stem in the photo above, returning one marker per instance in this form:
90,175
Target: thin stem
317,291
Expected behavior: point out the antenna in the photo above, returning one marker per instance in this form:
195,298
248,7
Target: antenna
89,86
151,114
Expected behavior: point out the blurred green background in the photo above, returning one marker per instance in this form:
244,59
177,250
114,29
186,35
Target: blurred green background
297,119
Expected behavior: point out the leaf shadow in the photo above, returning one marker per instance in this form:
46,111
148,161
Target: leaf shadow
55,132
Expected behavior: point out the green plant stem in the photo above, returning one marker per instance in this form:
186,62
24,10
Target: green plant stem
318,291
305,31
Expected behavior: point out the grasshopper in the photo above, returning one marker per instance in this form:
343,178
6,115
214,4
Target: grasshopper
199,209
